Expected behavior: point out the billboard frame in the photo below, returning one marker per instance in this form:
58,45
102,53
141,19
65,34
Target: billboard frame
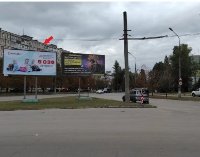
31,51
78,74
35,100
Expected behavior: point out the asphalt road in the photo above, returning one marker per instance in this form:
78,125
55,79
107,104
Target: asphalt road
171,130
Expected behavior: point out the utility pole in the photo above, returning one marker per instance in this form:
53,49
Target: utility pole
127,92
125,38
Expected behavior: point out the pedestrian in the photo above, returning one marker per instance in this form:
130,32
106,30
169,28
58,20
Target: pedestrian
142,99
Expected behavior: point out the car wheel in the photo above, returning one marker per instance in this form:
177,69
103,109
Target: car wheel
193,95
123,99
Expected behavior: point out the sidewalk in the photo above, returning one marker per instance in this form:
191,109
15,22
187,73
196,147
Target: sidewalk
21,97
171,94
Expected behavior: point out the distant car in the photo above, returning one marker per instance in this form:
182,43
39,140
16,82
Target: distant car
137,93
64,90
100,91
17,90
40,90
52,90
196,92
107,90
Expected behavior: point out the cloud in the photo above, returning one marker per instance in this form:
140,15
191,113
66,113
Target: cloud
71,23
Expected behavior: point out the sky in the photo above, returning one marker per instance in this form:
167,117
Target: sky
96,27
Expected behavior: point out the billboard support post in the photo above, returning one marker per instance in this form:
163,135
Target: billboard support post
21,62
79,86
24,87
36,87
54,85
88,86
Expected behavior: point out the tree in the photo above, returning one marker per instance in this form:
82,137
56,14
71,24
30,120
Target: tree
186,66
132,80
160,77
141,80
118,76
165,82
196,85
155,75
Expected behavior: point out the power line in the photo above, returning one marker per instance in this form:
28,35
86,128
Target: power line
116,38
146,38
79,39
188,34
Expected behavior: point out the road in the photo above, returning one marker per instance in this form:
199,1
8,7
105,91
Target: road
171,130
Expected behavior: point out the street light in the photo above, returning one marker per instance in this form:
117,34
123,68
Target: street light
179,65
135,66
134,58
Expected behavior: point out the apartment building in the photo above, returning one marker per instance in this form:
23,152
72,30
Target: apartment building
10,40
196,77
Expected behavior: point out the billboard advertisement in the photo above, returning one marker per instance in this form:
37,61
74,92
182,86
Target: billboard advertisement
20,62
75,64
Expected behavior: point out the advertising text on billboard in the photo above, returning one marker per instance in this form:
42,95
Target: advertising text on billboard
82,64
20,62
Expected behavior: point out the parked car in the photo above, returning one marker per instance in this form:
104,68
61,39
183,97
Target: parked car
52,90
196,92
64,90
17,90
137,93
100,91
107,90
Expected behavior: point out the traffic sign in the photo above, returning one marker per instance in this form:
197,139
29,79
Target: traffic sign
180,82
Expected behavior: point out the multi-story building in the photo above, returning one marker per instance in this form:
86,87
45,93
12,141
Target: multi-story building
15,41
34,45
10,40
196,77
26,42
4,40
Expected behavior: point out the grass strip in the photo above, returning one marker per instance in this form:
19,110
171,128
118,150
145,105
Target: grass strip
70,102
183,98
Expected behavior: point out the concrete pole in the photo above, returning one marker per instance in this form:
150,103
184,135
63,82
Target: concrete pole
36,88
179,69
79,87
55,85
127,92
24,87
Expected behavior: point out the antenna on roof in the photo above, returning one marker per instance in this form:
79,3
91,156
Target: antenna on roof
23,31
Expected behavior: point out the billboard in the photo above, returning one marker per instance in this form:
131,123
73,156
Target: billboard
74,64
20,62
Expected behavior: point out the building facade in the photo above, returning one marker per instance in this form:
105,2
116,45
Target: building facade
196,77
10,40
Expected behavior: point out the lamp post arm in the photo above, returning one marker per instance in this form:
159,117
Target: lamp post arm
179,62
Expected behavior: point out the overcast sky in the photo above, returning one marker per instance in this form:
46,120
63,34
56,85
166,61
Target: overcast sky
72,23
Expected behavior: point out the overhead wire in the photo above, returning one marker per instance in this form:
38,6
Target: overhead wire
117,38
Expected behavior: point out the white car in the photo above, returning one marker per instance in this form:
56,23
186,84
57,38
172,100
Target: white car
196,92
100,91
